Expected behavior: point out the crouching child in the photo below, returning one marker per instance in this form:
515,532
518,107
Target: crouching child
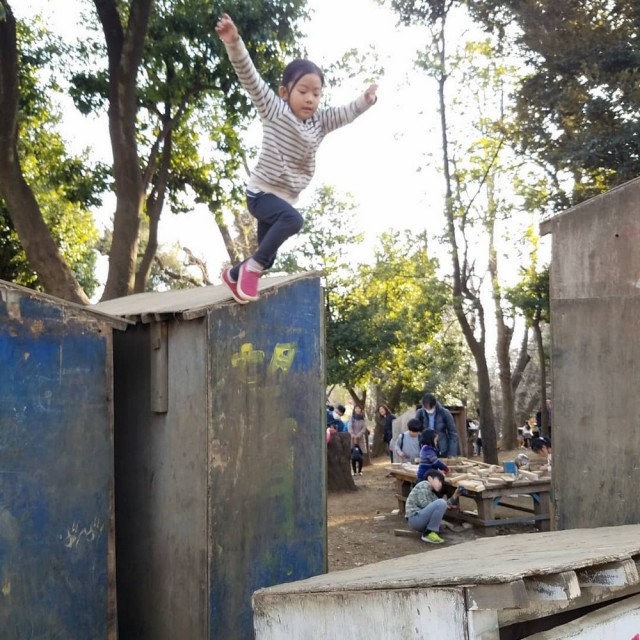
424,508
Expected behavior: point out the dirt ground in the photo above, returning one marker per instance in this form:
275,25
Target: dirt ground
361,523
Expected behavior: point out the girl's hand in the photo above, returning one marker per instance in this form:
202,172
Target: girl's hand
225,28
370,94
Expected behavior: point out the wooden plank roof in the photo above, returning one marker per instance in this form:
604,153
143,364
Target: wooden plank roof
185,303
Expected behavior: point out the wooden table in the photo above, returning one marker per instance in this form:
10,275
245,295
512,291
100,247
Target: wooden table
486,501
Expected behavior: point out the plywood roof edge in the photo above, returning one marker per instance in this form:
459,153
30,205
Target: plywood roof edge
117,322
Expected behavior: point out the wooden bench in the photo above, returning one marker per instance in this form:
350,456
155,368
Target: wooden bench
487,501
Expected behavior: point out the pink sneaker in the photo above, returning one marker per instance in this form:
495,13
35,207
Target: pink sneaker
248,283
233,286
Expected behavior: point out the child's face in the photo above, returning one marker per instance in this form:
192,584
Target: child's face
436,483
304,97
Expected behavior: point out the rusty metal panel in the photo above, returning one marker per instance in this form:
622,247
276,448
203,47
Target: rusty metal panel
56,468
161,486
266,462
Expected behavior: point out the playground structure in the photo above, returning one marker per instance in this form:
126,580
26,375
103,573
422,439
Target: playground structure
218,454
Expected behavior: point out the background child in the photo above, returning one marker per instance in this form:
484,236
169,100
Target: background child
357,459
293,128
429,456
542,446
408,442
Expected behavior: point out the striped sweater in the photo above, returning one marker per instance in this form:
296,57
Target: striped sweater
287,158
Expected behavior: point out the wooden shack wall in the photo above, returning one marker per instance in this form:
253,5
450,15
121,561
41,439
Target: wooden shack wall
225,492
161,486
595,306
56,469
267,454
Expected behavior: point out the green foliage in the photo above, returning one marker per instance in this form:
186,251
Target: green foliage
188,87
390,326
327,240
531,296
65,186
577,108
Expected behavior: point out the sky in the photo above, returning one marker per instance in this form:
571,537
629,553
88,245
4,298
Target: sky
388,159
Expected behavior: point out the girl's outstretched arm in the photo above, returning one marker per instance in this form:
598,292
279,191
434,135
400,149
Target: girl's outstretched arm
370,94
264,99
226,29
334,117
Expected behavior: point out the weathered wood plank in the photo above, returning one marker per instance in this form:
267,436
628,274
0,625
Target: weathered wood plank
612,574
506,595
559,586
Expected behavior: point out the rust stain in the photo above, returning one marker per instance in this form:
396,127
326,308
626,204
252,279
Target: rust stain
37,328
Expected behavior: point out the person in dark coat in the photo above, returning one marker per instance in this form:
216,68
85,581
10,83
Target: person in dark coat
432,415
388,417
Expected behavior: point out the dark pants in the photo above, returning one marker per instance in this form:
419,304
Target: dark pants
356,465
277,221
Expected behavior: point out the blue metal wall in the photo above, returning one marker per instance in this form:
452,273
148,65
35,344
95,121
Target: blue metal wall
55,470
267,462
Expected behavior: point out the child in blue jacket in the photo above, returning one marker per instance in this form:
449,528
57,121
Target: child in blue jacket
429,455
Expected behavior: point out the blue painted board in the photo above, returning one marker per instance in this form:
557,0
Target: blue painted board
55,472
267,477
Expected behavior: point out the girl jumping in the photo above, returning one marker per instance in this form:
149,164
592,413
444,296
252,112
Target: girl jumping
293,128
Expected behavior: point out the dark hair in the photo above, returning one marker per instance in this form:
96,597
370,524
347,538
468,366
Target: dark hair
434,473
386,409
538,443
427,437
413,425
341,409
428,400
298,68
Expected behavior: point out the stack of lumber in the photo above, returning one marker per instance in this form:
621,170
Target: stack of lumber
477,476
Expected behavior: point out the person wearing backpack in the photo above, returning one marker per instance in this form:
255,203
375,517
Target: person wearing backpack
408,443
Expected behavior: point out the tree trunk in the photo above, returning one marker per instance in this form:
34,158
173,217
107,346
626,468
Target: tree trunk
379,448
544,422
125,54
339,476
485,409
460,290
521,364
394,395
155,203
41,251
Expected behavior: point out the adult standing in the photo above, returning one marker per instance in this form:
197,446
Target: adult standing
358,428
547,420
432,415
387,428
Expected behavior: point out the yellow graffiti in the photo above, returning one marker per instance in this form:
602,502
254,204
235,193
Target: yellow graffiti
282,358
248,360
